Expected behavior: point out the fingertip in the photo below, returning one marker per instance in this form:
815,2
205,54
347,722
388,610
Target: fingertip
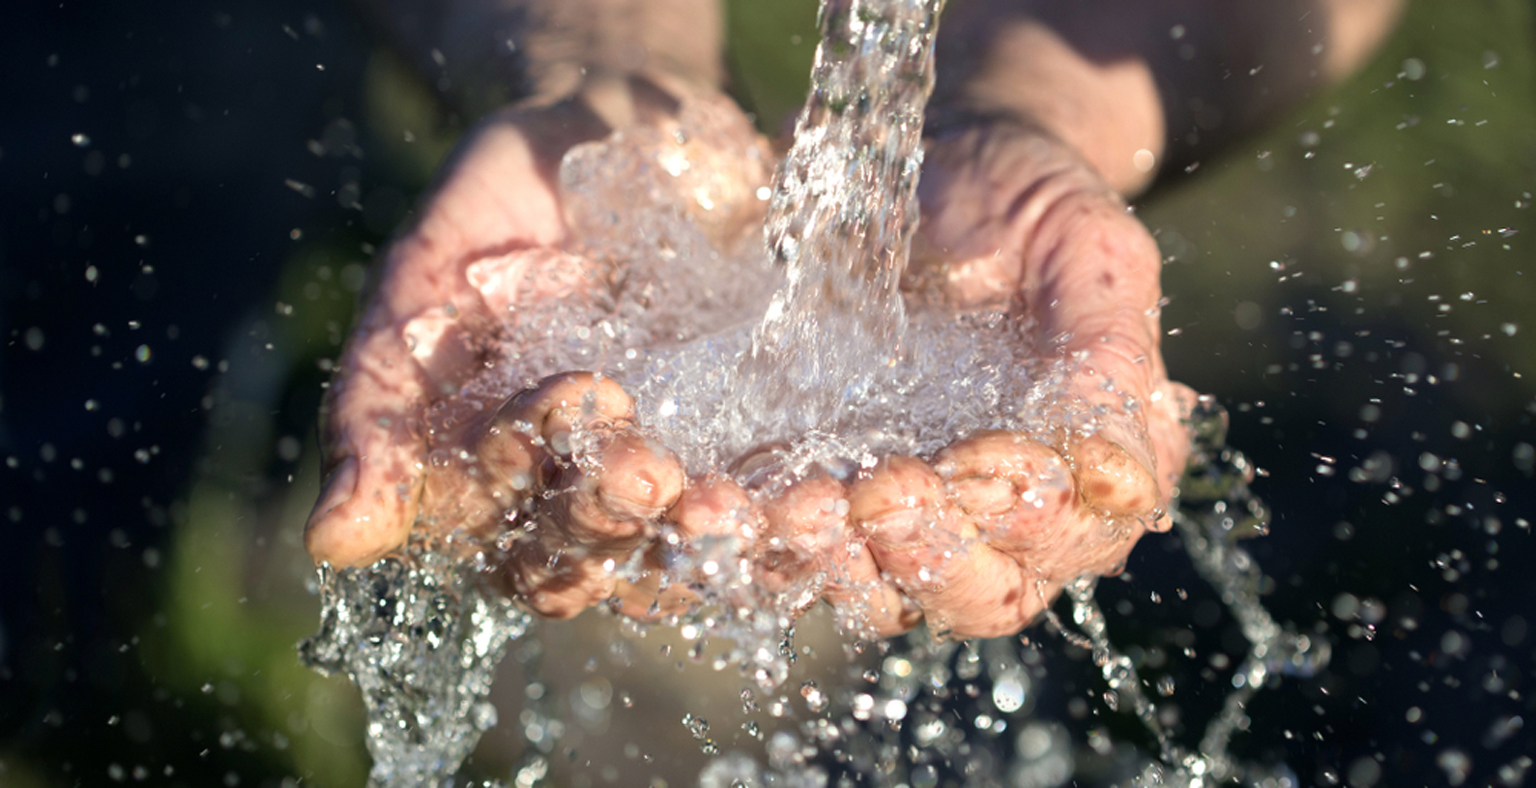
510,461
716,506
638,478
338,488
1016,490
1111,480
347,529
571,400
1172,434
815,508
895,503
875,609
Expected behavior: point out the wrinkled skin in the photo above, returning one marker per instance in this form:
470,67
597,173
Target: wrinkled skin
978,539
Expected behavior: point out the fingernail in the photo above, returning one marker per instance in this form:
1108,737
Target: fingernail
338,488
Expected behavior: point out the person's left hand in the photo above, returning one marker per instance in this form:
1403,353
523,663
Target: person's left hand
980,539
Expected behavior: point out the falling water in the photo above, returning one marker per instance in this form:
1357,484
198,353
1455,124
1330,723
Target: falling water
836,367
421,639
842,215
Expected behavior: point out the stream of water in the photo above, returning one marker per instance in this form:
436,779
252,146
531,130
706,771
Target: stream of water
832,364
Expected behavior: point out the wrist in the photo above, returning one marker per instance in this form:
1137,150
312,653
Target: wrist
997,60
482,54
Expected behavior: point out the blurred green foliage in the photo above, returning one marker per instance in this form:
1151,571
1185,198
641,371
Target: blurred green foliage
771,46
1387,200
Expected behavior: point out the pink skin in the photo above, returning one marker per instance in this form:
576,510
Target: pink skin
406,445
978,540
1014,219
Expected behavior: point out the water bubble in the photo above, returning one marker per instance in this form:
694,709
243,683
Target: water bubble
1008,693
1454,643
731,770
815,699
483,716
1455,763
698,727
596,693
925,776
1502,730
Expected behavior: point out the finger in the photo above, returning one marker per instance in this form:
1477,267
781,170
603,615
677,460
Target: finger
866,603
556,583
482,487
1168,426
565,559
514,451
704,548
511,464
716,507
1025,502
1018,491
805,522
608,503
564,403
598,514
811,553
1112,481
803,526
931,552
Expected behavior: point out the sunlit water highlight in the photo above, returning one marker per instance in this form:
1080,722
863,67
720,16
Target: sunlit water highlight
718,369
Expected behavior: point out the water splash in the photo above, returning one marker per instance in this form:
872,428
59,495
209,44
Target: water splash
421,640
935,710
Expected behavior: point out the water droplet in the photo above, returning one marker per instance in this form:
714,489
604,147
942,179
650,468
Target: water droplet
1008,693
815,699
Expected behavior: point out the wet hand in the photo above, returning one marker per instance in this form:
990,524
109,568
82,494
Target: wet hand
411,442
982,537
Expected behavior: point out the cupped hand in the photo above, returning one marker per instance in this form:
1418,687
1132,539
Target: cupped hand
554,483
982,537
979,539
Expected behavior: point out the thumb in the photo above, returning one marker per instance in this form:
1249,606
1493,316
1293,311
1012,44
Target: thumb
370,495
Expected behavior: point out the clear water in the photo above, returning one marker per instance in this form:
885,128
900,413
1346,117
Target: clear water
809,346
727,349
421,640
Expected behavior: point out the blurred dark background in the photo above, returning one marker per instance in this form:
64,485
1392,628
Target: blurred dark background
191,196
